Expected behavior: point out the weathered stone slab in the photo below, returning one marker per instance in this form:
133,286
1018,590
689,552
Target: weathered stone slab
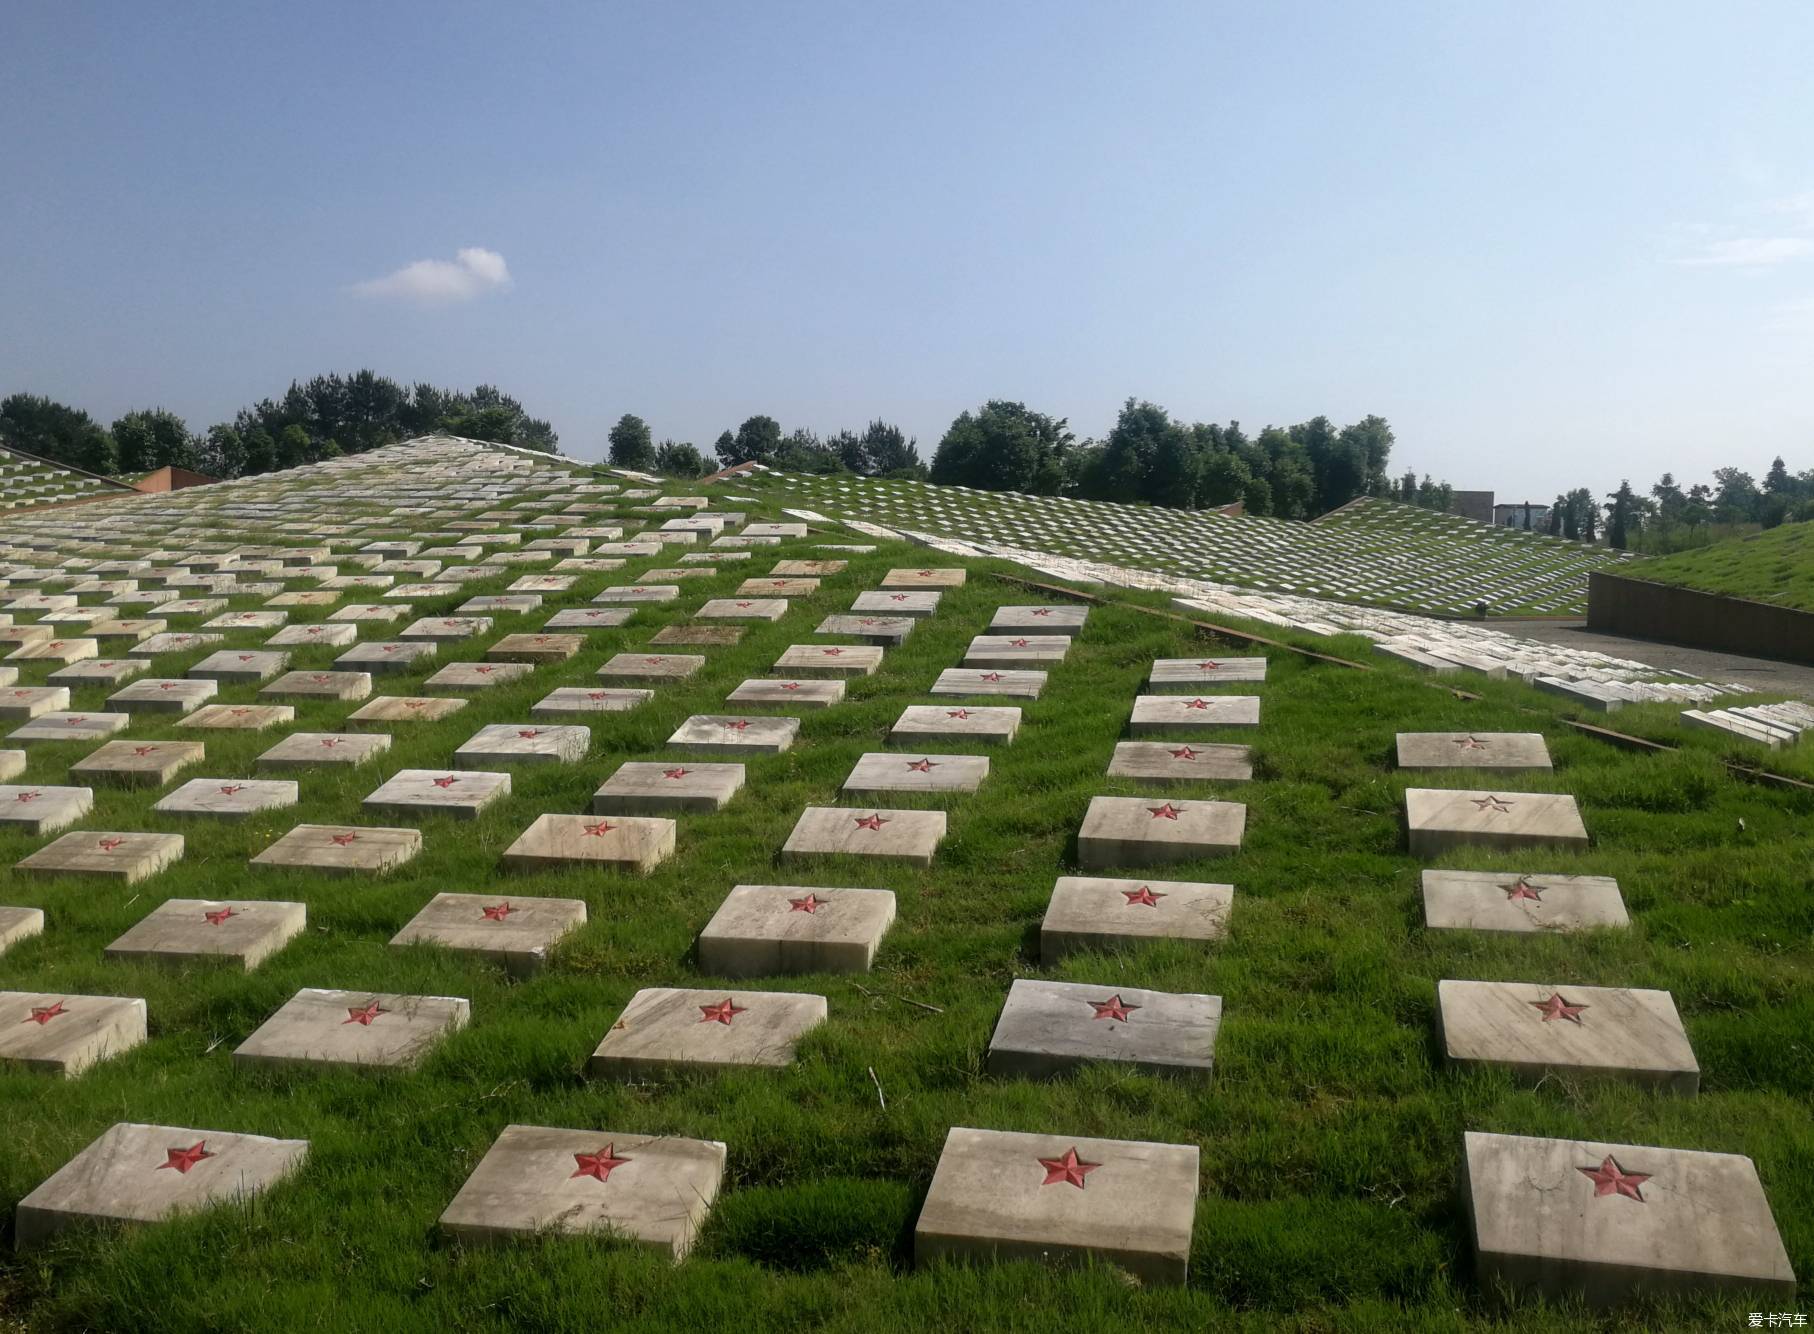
126,629
477,675
313,636
17,924
887,631
1055,619
1016,651
789,694
57,1033
438,792
42,809
588,618
639,593
654,788
515,933
620,842
1439,819
919,722
192,606
121,1177
98,671
966,681
138,763
1502,901
1536,1030
1147,831
769,930
241,931
246,620
1189,713
404,709
881,771
116,855
163,695
1003,1195
815,568
176,641
70,727
535,647
12,764
229,798
742,609
1094,913
55,650
342,848
319,685
915,605
524,743
697,634
1472,750
246,717
731,734
653,1190
1187,676
1050,1028
1175,761
504,602
27,702
440,629
356,1029
887,835
308,750
669,1030
570,701
650,668
387,656
923,578
836,661
1606,1222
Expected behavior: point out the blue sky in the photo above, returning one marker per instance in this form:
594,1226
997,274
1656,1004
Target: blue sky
1555,244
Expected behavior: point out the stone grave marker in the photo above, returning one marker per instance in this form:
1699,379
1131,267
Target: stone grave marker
1016,650
650,668
307,636
349,849
588,618
697,634
1439,819
727,734
1173,761
507,602
319,685
772,587
70,727
386,657
41,809
515,933
887,835
1605,1222
239,665
115,855
669,1030
655,788
742,609
12,764
923,578
357,1029
172,642
886,631
446,628
127,629
245,932
881,771
966,681
789,694
639,593
524,743
1472,750
769,930
246,620
535,647
654,1190
477,675
1189,713
1050,1028
309,750
912,605
163,695
569,701
620,842
58,1033
1095,913
143,1174
385,709
1535,1030
246,717
1187,676
17,924
55,650
920,722
1504,901
28,702
229,798
1011,1196
98,671
438,792
138,763
1149,831
1041,620
830,660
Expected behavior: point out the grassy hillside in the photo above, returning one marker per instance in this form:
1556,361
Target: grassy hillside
1774,566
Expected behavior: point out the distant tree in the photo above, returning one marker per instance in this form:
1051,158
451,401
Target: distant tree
1623,516
679,460
804,451
1777,481
55,431
1671,504
222,452
1557,510
1257,498
154,438
632,446
725,447
756,441
889,452
1407,487
1004,446
1736,500
1697,507
1224,480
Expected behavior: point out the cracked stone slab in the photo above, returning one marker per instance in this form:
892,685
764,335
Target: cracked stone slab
59,1033
995,725
887,835
886,631
1151,831
1052,1028
1180,761
1104,913
1507,901
883,771
656,788
351,849
138,763
788,694
1190,713
319,685
1540,1029
1472,750
1004,1195
245,932
1605,1222
569,701
732,734
771,930
618,842
41,808
670,1030
967,681
513,932
1439,819
229,798
1187,676
654,1190
650,668
524,743
113,854
353,1029
463,794
830,660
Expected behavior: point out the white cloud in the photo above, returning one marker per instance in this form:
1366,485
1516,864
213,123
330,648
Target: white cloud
1751,252
472,272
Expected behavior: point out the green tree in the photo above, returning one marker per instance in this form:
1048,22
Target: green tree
1224,479
679,460
1736,500
154,438
889,451
57,432
1004,446
756,441
1623,516
632,446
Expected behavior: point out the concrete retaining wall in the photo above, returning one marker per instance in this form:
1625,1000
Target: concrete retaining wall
1624,606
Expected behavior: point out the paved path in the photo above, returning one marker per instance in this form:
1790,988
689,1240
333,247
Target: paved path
1762,674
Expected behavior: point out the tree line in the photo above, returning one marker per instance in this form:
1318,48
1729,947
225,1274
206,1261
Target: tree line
1672,517
879,450
322,418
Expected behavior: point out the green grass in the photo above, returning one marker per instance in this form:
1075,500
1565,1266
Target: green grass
1774,566
1330,1133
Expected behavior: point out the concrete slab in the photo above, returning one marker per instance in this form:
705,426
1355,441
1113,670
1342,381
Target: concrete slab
815,568
238,666
623,843
570,701
163,695
97,672
17,924
319,685
1504,901
245,932
349,849
1155,714
923,578
61,649
967,681
229,798
1188,676
353,1030
524,743
113,854
742,609
386,709
1472,750
1003,1195
881,771
23,703
734,734
642,788
446,629
886,835
240,717
649,668
536,647
923,722
917,605
1016,651
1536,1030
137,763
1439,819
58,1033
175,641
437,792
1044,619
1148,831
310,750
1181,761
36,808
387,657
711,635
70,727
888,631
789,694
513,932
655,1190
1097,913
834,661
668,1030
1051,1028
588,618
771,930
121,1178
324,635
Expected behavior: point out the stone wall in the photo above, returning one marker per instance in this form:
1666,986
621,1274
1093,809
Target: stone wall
1620,605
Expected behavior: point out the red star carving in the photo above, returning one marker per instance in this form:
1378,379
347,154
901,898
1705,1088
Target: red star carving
1143,897
1523,889
790,685
811,903
875,821
27,796
779,583
1195,703
897,597
957,713
831,652
739,725
245,657
1017,643
1557,1008
343,840
415,704
653,662
320,678
167,685
485,670
330,741
1184,753
143,750
925,574
673,773
183,1159
43,1014
497,912
314,630
445,781
1069,1169
228,789
215,916
75,718
598,830
389,648
108,844
991,676
1611,1179
1497,805
239,711
529,733
1166,812
1113,1008
921,766
1042,611
1470,743
363,1015
721,1013
599,1165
